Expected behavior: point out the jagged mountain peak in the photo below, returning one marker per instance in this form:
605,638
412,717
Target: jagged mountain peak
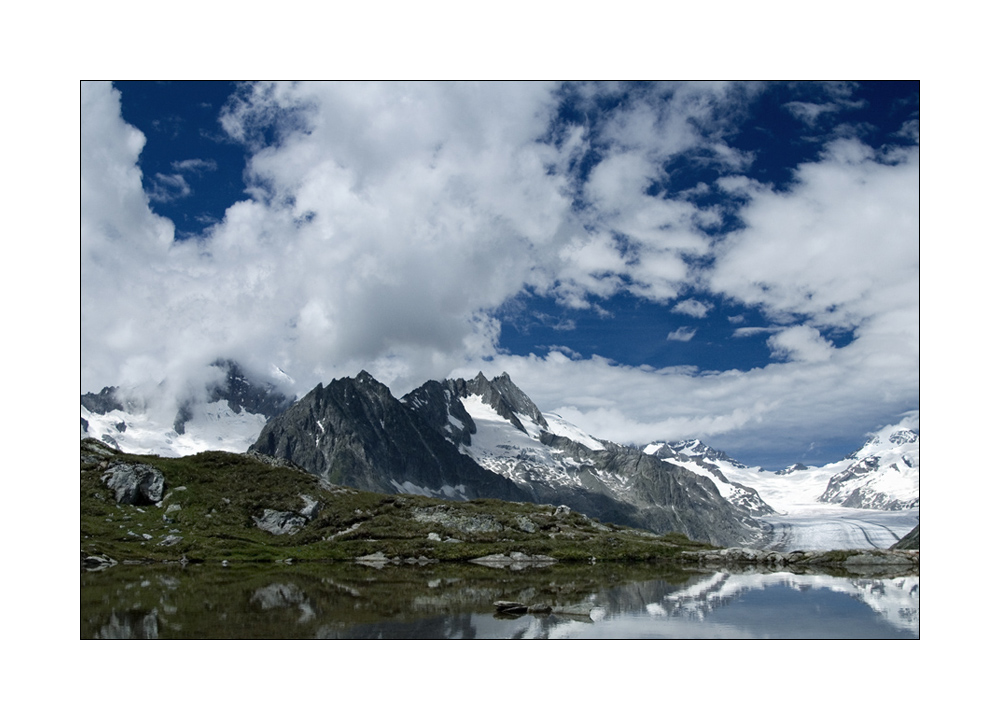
244,394
883,474
102,402
355,432
888,437
693,448
441,403
366,377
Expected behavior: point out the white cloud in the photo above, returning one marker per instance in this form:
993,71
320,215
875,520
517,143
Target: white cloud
800,343
390,230
692,307
840,247
195,165
682,334
167,188
775,410
809,112
748,331
389,224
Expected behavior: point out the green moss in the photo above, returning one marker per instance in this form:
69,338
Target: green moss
211,500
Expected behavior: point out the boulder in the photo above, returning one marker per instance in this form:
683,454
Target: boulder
278,522
311,508
135,483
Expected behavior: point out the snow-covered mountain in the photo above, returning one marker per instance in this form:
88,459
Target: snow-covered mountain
497,425
228,415
354,431
869,499
731,478
884,474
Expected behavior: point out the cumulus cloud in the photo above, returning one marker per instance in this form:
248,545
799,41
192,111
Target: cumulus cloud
383,227
801,344
391,221
387,226
770,412
840,247
692,307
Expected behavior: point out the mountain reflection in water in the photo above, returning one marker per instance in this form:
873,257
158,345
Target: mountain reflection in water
456,601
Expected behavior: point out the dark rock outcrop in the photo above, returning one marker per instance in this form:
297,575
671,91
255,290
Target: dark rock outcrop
657,495
910,541
744,497
244,394
135,483
440,404
103,402
354,432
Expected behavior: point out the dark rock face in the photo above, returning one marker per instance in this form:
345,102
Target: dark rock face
901,437
658,495
354,432
240,393
743,497
792,468
910,541
103,402
183,415
440,404
135,483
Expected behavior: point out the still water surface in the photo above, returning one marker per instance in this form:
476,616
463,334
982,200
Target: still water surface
456,601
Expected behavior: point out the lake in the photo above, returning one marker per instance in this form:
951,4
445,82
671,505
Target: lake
456,601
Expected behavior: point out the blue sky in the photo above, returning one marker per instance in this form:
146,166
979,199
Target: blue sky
737,262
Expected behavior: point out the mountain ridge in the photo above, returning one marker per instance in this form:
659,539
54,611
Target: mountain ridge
461,439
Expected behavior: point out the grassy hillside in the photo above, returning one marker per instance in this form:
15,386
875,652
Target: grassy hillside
211,500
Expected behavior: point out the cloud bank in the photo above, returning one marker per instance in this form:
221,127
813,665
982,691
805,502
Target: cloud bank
385,226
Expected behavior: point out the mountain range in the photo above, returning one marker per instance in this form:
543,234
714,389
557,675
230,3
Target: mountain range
463,439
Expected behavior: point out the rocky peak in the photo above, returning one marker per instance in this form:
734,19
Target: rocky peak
697,449
507,399
901,437
792,468
103,402
354,432
440,404
242,393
